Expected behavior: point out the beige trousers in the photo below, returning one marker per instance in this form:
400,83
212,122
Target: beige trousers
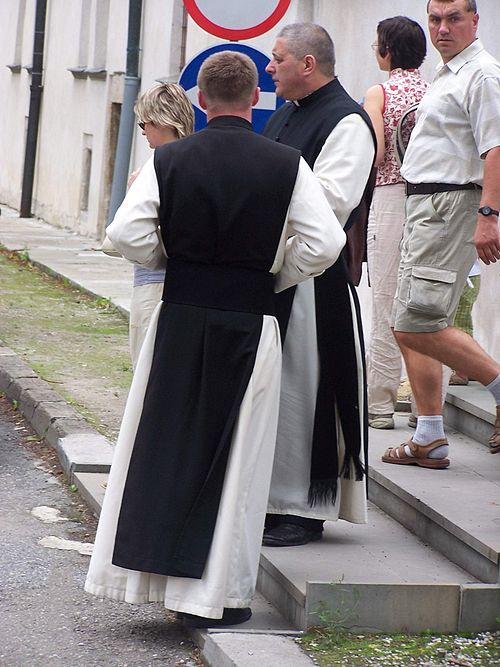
385,230
144,300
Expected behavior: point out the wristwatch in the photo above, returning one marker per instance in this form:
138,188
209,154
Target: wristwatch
487,210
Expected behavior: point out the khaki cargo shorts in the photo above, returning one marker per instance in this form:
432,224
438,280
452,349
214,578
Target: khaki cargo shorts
437,253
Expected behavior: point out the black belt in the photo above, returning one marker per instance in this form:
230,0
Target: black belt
432,188
219,286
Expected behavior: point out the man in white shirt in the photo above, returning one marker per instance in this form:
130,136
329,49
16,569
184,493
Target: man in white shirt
452,169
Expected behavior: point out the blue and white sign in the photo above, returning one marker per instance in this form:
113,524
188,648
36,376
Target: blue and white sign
268,102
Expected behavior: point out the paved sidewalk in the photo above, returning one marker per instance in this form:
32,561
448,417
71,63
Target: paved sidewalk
266,640
442,544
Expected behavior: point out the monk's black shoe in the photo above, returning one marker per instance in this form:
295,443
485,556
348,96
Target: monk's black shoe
229,617
289,535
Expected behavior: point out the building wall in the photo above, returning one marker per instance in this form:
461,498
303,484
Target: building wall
16,46
80,114
72,174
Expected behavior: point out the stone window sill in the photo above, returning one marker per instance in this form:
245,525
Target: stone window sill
90,72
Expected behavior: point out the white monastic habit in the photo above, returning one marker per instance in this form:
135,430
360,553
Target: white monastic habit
311,240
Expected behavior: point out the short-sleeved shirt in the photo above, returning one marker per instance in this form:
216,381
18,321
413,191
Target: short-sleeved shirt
458,121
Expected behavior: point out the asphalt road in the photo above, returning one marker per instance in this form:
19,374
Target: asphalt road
46,618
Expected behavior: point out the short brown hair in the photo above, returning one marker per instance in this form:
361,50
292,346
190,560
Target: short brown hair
229,78
470,5
304,39
166,105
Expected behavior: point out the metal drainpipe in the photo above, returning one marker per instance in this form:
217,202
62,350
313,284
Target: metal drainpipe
127,116
34,110
184,28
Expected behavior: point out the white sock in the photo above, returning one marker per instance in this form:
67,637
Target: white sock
429,428
494,387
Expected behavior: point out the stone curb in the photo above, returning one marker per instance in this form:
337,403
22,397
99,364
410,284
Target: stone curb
79,447
250,649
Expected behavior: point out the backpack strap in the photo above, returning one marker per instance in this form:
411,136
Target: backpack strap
402,137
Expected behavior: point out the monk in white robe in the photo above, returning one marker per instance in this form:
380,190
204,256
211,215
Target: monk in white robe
240,217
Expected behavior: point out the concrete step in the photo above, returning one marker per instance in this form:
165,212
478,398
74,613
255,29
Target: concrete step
456,511
354,577
385,577
376,577
92,487
470,410
429,557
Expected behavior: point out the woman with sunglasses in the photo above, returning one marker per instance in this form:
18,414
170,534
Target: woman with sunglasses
164,114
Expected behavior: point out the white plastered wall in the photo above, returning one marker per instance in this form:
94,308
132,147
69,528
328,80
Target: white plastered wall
76,113
16,47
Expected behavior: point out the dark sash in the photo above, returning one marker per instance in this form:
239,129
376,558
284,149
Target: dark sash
306,126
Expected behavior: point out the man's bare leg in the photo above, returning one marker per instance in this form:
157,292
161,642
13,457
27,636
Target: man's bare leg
453,347
426,379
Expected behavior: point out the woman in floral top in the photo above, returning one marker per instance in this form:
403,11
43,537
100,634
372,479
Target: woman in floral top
400,50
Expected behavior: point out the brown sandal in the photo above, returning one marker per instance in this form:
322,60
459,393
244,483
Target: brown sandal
494,441
420,456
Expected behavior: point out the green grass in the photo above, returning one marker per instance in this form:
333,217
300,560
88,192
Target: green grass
76,342
343,649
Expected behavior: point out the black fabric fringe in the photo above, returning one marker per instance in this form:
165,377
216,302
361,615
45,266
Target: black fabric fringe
322,492
359,469
338,383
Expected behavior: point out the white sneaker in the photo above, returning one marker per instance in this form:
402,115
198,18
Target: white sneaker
381,421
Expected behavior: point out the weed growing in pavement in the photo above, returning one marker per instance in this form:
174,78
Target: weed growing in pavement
24,255
347,649
333,645
105,303
334,621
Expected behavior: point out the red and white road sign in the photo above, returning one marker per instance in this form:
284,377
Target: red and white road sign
236,19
